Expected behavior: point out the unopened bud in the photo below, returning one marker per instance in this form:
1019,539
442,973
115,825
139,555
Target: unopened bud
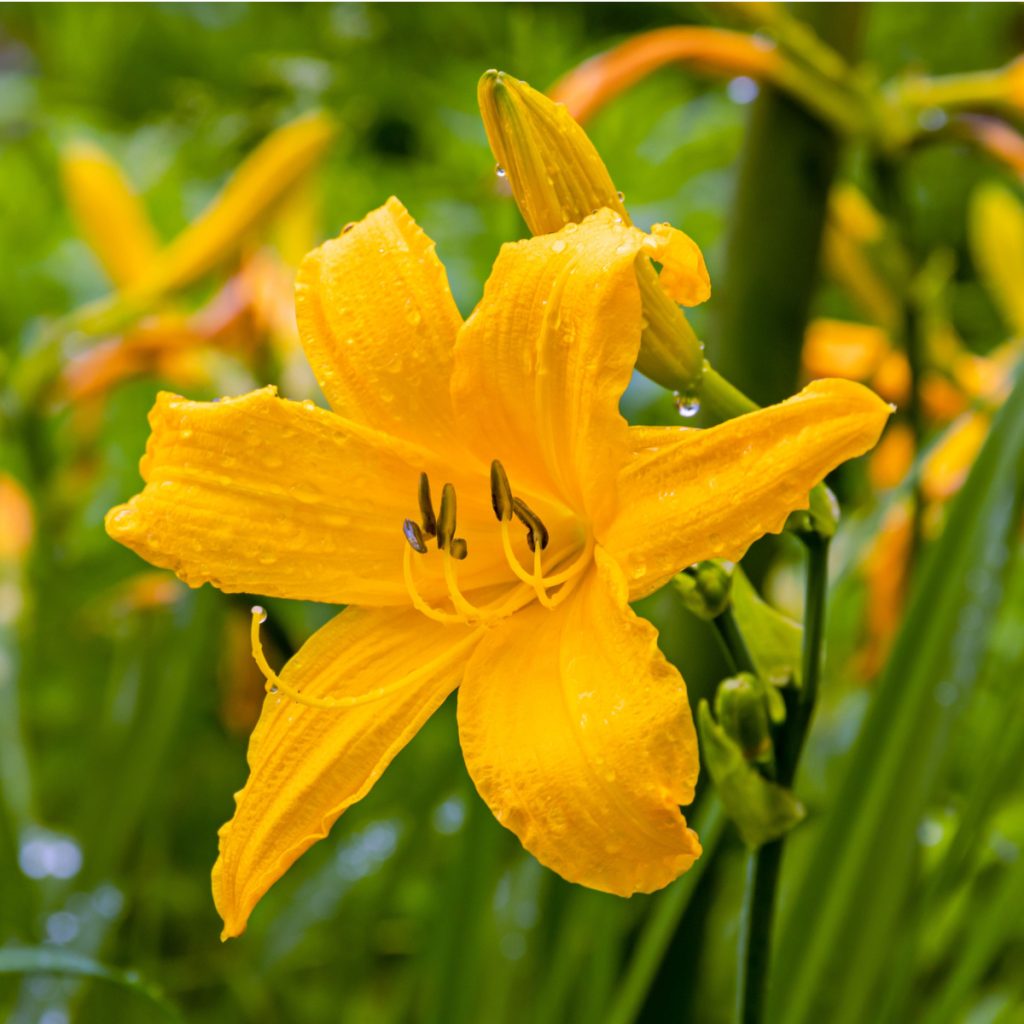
557,177
705,589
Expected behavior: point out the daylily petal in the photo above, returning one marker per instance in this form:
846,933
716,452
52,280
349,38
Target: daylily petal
307,765
378,324
265,496
684,275
110,216
578,735
542,362
713,492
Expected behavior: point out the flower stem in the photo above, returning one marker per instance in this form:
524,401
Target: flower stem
736,650
764,863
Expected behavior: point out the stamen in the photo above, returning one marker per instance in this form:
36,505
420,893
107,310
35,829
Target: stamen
501,493
414,535
537,531
446,520
426,507
459,548
445,618
465,608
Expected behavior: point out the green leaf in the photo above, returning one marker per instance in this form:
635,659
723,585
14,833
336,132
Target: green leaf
851,896
41,960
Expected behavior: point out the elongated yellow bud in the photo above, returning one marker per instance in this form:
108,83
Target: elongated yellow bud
262,180
558,178
109,215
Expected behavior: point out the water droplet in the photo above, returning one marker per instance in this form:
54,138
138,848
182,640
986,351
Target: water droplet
558,245
622,196
686,405
260,613
414,317
499,170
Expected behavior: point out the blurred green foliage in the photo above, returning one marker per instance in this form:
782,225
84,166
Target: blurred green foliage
420,907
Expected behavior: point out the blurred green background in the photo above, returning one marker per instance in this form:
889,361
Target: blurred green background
127,736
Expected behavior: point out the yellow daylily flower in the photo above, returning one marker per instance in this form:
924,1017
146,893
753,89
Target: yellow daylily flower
575,728
996,231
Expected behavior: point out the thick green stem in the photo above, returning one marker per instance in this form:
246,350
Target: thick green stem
764,863
786,171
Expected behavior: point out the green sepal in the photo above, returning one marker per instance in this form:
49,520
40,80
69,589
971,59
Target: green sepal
773,639
820,519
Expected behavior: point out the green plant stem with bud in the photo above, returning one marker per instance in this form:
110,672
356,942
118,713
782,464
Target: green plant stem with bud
764,863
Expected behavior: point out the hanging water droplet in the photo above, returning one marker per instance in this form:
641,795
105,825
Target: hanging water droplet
260,613
686,405
499,170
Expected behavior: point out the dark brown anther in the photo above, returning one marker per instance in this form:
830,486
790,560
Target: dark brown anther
501,493
427,507
536,531
459,549
446,520
414,535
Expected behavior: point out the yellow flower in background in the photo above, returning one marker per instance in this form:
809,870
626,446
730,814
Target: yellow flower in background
515,586
270,192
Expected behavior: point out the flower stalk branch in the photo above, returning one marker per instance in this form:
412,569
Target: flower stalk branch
764,863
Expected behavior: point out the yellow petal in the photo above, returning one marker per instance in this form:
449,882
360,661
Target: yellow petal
378,324
946,466
307,765
684,275
109,215
578,735
996,231
264,496
542,362
253,192
893,459
713,492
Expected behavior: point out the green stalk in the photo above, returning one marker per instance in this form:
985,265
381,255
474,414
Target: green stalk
786,171
764,863
736,650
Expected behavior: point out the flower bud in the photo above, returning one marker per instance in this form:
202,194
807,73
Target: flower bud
705,589
742,710
557,178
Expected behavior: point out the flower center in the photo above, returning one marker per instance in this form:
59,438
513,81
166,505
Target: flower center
535,584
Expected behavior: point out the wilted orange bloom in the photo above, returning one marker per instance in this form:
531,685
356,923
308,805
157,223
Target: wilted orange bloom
554,515
590,86
839,348
885,576
893,458
997,138
941,400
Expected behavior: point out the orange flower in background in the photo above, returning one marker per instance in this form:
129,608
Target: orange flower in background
554,514
586,89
